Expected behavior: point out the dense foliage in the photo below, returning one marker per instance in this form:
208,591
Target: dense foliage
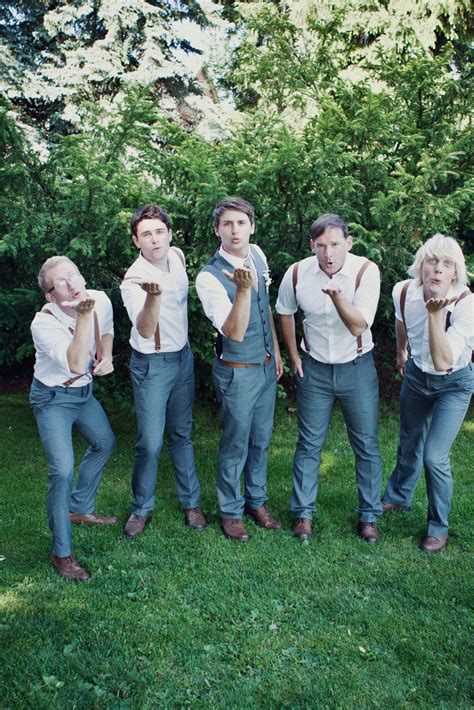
391,152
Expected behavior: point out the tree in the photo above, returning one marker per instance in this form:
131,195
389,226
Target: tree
57,55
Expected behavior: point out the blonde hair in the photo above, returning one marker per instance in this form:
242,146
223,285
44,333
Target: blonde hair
46,268
440,247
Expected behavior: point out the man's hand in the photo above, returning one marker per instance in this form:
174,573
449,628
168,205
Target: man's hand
103,367
402,357
278,365
297,366
81,307
150,287
435,305
334,292
242,278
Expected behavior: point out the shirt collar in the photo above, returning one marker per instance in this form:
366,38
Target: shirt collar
236,261
345,269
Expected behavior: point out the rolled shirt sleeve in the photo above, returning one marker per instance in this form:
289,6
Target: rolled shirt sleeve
366,298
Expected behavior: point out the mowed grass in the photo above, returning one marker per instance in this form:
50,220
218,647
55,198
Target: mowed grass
180,619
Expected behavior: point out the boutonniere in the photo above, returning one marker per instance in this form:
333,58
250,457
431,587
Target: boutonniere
268,279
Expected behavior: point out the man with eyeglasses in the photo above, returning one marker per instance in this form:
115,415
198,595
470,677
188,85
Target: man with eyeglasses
435,338
73,337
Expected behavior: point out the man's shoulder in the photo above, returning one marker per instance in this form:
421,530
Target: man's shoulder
209,266
304,266
133,270
356,261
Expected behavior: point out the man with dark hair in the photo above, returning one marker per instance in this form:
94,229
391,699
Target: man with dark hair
73,335
338,293
233,288
155,291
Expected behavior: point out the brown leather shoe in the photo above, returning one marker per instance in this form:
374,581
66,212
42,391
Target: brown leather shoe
303,528
368,532
263,518
92,519
389,507
194,518
134,525
68,567
234,529
434,544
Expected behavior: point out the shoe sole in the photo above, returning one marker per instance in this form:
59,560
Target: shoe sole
193,527
235,539
130,537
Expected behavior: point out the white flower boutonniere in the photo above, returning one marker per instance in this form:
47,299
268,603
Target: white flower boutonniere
268,279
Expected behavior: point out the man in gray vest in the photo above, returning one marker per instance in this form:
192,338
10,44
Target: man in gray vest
338,293
233,288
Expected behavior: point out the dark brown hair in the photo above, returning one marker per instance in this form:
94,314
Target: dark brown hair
232,203
149,212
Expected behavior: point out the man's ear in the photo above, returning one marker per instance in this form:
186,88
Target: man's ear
349,242
48,297
135,241
170,232
253,228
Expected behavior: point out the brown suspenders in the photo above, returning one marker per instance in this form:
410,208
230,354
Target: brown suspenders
294,277
98,344
179,254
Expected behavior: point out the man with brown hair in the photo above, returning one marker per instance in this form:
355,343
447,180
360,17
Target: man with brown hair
338,293
233,287
154,291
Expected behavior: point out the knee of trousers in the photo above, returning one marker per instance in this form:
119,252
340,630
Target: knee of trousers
437,464
61,473
148,448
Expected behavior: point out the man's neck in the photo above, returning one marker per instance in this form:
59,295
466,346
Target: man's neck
161,264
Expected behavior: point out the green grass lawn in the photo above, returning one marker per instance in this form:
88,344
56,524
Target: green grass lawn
181,619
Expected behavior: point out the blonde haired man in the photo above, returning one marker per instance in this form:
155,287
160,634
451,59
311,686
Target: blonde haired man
435,336
73,336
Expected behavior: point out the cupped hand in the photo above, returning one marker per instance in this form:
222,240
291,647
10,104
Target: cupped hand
332,291
434,305
242,278
81,307
150,287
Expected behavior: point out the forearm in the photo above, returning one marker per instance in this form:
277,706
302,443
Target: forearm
276,344
287,327
78,350
148,317
237,322
350,315
107,342
402,340
440,349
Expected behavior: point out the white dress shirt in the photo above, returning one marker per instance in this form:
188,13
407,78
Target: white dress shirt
173,318
52,337
460,333
330,341
215,299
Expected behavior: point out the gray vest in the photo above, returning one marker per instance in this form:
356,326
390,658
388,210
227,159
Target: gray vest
258,341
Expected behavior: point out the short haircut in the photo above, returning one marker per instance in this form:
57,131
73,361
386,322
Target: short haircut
46,268
232,203
326,221
440,247
149,212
